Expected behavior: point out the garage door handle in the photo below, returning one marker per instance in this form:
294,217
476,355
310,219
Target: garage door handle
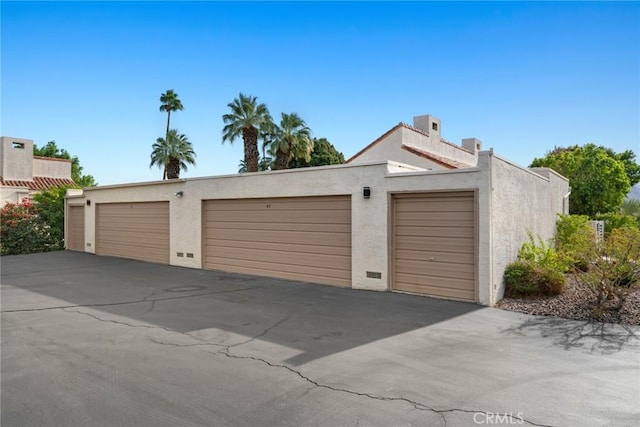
431,259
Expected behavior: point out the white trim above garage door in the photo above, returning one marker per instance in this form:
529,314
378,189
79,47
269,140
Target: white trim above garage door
137,230
297,238
434,244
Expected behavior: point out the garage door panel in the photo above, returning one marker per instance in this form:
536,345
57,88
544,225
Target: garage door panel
318,238
433,206
297,204
301,238
322,279
436,269
344,251
441,289
279,226
133,230
435,245
297,258
417,218
462,245
432,231
283,269
283,217
423,255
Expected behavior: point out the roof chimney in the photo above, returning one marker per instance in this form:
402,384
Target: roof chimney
428,124
472,144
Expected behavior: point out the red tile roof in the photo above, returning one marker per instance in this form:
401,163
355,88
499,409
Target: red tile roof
38,183
443,161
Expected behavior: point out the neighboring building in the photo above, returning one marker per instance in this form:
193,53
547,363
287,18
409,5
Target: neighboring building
22,173
420,145
439,223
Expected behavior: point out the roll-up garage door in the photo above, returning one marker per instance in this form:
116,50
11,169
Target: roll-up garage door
133,230
298,238
434,244
75,230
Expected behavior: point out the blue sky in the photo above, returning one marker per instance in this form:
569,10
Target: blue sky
521,77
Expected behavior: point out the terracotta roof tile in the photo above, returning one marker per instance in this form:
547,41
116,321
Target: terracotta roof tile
443,161
38,183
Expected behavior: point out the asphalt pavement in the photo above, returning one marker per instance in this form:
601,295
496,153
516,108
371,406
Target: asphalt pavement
101,341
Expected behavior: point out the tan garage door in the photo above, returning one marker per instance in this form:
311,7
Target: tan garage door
299,238
434,244
133,230
75,230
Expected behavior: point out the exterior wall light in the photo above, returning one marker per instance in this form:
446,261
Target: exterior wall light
88,202
179,194
366,192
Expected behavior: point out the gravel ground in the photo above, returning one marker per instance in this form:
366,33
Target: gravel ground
574,303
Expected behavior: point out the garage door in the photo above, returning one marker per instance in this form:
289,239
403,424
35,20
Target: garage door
75,228
434,244
133,230
299,238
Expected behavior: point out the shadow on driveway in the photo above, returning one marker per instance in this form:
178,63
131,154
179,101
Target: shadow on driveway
316,320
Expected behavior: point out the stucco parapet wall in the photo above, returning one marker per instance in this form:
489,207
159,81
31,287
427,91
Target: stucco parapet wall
539,172
52,159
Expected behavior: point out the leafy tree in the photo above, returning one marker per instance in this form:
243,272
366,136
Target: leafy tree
324,153
53,151
599,181
173,154
50,205
250,120
291,140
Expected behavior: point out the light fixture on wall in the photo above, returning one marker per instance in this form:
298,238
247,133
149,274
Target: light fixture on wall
366,192
179,194
88,202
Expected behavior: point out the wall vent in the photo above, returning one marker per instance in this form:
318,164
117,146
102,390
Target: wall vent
374,275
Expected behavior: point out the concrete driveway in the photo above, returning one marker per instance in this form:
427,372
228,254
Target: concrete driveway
99,341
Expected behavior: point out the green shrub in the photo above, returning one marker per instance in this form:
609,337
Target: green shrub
522,278
575,240
542,254
22,231
614,220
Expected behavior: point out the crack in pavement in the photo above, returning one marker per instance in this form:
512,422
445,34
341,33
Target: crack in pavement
261,334
417,405
145,299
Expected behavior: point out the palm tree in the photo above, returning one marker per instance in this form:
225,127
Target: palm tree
292,140
170,102
252,121
173,153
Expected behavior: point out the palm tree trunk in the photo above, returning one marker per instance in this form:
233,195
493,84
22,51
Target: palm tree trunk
251,153
282,160
168,120
173,169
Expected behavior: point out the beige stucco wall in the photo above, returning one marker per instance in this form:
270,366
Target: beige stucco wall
391,148
51,168
498,214
12,194
523,200
16,163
